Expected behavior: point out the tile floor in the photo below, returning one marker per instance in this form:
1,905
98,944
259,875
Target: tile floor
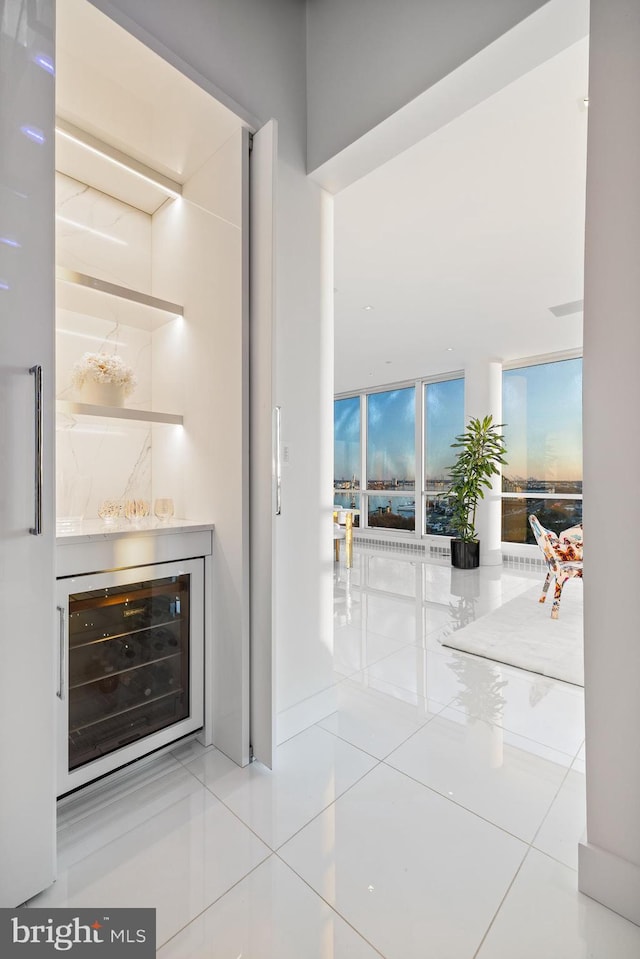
435,812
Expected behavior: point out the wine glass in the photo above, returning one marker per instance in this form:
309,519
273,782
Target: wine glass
163,508
136,510
110,511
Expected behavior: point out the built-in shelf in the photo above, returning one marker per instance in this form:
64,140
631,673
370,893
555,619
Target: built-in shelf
117,412
81,293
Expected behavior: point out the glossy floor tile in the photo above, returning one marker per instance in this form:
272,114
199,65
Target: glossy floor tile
170,845
271,914
401,864
103,794
309,772
565,824
544,915
428,803
355,647
543,709
302,715
372,720
414,669
506,779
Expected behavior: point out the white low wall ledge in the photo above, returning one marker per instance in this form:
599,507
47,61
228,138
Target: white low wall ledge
609,879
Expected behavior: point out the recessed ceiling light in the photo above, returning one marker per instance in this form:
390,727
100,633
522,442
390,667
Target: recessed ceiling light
449,349
367,308
388,362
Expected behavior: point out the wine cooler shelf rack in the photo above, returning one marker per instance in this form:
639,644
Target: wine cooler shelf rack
128,670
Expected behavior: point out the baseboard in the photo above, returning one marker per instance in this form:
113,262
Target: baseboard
530,561
307,713
609,879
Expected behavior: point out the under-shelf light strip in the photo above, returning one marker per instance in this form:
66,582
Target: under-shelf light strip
70,132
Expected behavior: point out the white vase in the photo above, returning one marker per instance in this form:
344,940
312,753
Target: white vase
102,394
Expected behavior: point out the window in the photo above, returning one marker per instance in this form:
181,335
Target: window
346,460
401,442
542,412
391,458
444,420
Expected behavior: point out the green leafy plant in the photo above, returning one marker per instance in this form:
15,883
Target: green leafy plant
481,450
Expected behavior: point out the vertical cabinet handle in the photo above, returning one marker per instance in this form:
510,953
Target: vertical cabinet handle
61,651
36,529
278,461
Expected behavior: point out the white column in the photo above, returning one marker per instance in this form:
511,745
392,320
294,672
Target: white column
609,864
483,395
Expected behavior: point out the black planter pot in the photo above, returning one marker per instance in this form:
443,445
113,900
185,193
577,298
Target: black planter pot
465,555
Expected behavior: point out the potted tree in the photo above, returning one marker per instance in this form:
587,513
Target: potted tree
481,449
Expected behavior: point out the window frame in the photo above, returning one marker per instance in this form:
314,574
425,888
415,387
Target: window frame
542,359
420,492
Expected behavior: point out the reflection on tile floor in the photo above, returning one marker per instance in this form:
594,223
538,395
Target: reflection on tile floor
432,806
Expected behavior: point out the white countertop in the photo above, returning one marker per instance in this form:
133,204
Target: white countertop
94,547
94,531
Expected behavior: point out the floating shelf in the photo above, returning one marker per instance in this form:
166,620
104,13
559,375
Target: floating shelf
81,293
101,149
117,413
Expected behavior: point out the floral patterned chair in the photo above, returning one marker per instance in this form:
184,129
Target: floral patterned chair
563,556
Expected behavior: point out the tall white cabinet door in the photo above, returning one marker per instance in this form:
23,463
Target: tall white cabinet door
27,636
263,436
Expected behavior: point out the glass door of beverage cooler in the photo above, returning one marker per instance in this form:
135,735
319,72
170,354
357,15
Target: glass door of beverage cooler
131,666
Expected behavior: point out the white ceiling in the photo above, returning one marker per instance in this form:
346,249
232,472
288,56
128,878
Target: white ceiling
466,240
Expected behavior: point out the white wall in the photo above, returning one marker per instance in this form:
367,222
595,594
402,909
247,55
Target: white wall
355,48
198,254
610,859
254,55
552,28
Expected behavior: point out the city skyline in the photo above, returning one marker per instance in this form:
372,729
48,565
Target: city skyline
542,416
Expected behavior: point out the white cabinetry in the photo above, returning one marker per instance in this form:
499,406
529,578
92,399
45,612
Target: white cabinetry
131,646
27,795
152,254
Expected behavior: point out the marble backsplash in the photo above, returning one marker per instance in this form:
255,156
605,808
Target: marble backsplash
97,458
101,236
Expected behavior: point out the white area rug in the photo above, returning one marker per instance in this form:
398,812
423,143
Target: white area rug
522,633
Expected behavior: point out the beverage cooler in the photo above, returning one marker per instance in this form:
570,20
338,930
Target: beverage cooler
130,666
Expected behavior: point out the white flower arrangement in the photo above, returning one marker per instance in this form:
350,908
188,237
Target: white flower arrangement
104,368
